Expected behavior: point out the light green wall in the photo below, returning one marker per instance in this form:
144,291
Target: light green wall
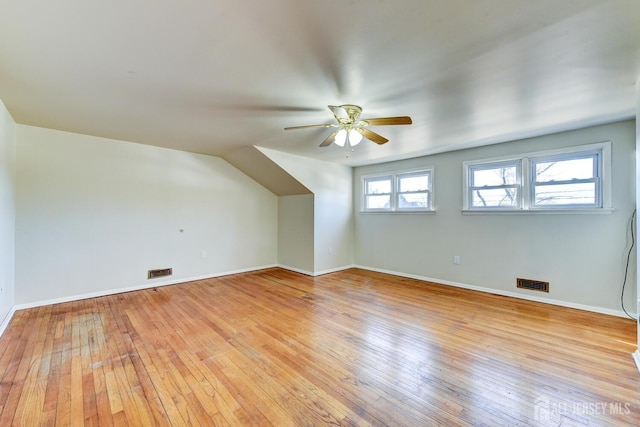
581,255
331,185
295,233
7,210
94,214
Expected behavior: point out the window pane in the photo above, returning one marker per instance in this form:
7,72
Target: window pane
565,194
413,201
498,197
379,186
413,183
378,202
501,175
564,170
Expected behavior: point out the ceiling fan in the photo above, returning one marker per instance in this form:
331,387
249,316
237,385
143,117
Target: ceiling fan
351,129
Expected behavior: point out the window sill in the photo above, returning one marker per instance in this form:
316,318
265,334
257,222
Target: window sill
587,211
403,212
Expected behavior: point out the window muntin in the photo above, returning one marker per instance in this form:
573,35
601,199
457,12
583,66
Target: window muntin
400,191
566,181
494,186
574,178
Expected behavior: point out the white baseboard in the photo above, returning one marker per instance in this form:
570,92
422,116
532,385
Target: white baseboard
296,270
151,284
316,273
7,320
333,270
154,284
636,358
618,313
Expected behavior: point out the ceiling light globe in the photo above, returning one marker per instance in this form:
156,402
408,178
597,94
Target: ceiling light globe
341,138
354,137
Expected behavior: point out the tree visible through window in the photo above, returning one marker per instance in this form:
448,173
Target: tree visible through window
566,181
495,186
572,178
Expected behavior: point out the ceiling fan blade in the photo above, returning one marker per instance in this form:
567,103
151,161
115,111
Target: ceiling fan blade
310,126
327,142
372,136
386,121
339,111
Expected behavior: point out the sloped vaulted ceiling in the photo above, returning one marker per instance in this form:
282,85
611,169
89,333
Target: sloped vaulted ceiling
216,77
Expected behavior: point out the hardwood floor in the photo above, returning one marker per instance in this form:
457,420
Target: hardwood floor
350,348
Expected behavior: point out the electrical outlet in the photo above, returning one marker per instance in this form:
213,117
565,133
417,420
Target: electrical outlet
456,259
203,254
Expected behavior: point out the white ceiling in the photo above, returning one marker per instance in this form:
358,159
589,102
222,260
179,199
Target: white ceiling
216,76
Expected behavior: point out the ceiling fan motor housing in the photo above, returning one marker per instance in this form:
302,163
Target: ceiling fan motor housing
353,114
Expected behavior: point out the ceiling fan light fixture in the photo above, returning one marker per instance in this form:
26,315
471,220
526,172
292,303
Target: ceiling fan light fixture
341,138
351,129
354,137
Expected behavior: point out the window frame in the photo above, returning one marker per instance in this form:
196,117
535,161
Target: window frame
597,179
395,177
378,177
527,178
494,165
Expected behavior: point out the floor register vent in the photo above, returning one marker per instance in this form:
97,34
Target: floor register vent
534,285
152,274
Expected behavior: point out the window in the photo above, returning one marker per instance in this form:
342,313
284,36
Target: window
377,193
562,181
570,179
399,192
495,185
414,190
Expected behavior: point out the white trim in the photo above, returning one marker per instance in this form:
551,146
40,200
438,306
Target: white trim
9,316
296,270
598,178
518,163
334,270
363,199
393,196
617,313
7,320
156,284
636,358
525,179
316,273
402,212
149,285
576,211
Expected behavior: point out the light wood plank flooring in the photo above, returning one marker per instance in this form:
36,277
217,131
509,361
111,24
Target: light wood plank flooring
350,348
